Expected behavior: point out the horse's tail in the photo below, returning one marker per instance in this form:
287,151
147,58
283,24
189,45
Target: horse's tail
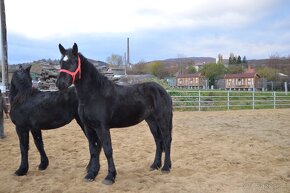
170,127
171,114
170,123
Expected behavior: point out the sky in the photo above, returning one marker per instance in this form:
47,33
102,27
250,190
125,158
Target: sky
158,29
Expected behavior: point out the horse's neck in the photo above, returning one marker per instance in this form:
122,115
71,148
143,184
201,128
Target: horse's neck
20,94
12,93
91,80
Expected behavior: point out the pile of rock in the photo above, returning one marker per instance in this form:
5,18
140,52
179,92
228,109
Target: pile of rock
45,73
47,77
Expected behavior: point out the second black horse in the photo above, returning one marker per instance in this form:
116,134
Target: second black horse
33,110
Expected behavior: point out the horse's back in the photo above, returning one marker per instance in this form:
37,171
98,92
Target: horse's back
46,110
135,103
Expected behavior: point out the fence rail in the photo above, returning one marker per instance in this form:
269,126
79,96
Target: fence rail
228,100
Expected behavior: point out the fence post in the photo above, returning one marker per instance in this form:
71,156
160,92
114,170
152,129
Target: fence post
253,99
199,101
274,94
228,98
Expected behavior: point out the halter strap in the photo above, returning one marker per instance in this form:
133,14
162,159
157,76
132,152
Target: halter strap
73,74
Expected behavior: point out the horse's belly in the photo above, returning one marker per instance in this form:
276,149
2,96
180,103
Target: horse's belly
127,118
120,124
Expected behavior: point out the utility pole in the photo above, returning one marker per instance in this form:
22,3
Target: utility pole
4,45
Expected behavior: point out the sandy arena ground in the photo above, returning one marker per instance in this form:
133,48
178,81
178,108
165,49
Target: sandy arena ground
232,151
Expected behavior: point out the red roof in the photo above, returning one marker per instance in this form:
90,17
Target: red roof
241,75
196,75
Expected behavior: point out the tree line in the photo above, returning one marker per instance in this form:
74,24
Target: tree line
271,69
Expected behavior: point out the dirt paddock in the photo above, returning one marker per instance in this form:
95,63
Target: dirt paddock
230,151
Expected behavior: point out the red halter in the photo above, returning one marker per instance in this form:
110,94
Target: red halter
73,74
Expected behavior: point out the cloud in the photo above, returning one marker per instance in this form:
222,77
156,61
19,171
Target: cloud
157,29
50,18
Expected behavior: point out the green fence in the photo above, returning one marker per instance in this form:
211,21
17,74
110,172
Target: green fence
200,100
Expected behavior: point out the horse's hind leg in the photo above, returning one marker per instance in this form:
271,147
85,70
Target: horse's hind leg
165,126
23,135
158,142
37,136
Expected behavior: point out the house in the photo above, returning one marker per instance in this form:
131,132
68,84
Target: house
196,81
171,81
248,80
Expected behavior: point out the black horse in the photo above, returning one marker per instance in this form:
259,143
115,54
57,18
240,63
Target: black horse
33,110
104,105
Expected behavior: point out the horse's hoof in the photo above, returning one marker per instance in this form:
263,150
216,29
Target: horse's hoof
166,168
88,179
152,169
155,167
165,171
20,173
42,166
108,182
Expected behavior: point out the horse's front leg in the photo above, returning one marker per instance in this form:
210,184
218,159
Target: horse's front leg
23,136
95,147
104,132
78,119
37,136
98,145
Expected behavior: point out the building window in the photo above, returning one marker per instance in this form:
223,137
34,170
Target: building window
249,81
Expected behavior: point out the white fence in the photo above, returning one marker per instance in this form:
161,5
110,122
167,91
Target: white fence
228,100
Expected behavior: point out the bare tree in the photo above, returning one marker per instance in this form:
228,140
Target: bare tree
115,60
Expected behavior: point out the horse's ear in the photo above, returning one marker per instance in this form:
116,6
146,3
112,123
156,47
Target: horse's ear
61,49
28,69
75,49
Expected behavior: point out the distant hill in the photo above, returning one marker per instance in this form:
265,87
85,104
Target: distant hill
206,60
185,61
196,60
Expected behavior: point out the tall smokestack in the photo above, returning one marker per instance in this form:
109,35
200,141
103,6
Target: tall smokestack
128,53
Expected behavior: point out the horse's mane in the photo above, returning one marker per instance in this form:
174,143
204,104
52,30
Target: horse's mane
96,76
18,97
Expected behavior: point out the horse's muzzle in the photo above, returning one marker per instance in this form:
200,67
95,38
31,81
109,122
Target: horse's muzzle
62,85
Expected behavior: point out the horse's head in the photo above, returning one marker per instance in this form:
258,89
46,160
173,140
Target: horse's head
69,67
21,79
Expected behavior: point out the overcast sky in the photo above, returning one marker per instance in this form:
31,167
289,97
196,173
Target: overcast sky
158,29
